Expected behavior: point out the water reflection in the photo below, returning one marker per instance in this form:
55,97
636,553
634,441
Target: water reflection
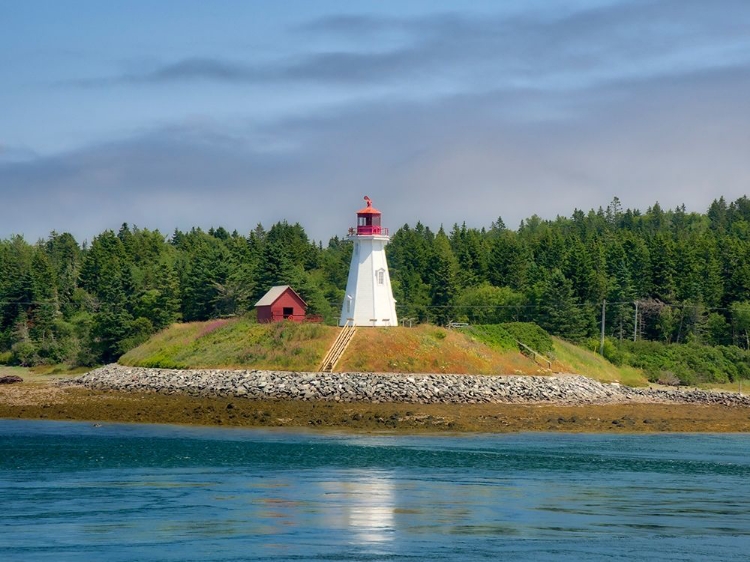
364,504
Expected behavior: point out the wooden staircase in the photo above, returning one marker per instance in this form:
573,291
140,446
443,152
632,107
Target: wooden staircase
338,348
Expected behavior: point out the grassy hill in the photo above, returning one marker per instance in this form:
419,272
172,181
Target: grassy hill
235,343
584,362
241,343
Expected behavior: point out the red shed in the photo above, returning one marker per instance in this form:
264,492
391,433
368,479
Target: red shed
281,303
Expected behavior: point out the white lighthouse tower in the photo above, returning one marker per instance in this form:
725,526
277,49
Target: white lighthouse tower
369,299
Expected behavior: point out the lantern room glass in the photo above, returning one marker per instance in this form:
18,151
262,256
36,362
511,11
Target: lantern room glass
368,224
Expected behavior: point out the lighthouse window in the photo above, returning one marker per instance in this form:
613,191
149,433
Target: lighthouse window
381,276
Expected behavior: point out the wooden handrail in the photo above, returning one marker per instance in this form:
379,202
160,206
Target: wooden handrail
535,354
338,347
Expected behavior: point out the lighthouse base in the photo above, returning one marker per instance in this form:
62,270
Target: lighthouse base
372,322
368,300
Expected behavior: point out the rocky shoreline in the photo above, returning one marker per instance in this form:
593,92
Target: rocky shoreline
569,390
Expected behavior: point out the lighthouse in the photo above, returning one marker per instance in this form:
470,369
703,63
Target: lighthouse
369,299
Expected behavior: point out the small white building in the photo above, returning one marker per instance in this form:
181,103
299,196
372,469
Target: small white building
369,298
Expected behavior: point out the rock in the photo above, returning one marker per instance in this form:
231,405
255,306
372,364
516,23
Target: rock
10,379
384,387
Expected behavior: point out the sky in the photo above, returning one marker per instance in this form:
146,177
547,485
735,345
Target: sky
186,113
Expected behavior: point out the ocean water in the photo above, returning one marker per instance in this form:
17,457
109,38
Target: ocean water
72,491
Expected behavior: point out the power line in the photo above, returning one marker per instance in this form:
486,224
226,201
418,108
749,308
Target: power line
28,302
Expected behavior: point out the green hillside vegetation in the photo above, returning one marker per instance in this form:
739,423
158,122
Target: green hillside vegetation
432,349
688,364
235,343
492,349
587,363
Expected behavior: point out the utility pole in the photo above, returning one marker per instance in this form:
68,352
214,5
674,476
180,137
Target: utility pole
635,322
604,312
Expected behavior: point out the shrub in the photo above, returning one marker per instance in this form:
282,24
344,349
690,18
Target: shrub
24,354
506,336
668,378
494,335
691,363
50,352
140,331
531,335
612,352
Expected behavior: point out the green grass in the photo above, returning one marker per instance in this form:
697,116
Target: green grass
42,372
587,363
242,343
736,386
19,371
235,343
432,349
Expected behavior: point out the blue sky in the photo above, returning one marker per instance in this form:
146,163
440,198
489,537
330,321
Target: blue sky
176,114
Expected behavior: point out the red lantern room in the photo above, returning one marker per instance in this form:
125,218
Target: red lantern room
368,221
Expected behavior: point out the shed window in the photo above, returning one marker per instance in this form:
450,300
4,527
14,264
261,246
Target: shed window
288,312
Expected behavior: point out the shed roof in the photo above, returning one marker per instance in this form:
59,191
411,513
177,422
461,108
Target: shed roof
274,293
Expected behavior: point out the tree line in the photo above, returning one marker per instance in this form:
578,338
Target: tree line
688,275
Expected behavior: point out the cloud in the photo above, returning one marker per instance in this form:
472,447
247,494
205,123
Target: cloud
544,49
466,158
10,154
504,115
351,25
201,69
167,178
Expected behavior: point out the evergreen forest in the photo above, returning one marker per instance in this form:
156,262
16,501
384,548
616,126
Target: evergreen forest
658,278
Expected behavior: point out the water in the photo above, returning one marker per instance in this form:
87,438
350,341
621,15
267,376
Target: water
71,491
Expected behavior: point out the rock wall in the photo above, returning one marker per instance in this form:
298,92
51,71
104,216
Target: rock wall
388,387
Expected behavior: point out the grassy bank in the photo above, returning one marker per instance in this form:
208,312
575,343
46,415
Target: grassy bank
584,362
235,343
240,343
490,350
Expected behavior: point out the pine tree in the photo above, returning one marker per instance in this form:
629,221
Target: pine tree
204,273
662,254
443,269
559,312
508,262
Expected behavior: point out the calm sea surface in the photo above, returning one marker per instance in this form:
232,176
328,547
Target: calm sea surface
71,491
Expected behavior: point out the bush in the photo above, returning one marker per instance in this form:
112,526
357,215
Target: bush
690,363
506,336
530,334
612,351
494,335
140,331
50,352
24,354
6,357
668,378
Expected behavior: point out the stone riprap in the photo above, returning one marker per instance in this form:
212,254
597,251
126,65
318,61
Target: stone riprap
388,387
